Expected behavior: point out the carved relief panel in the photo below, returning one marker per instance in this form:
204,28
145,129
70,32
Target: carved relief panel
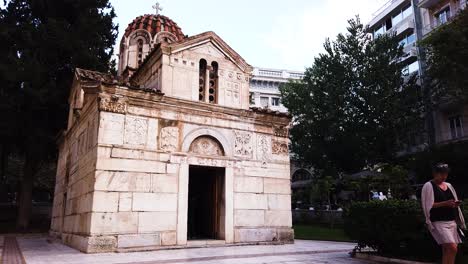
243,144
207,146
279,147
112,104
263,147
136,129
169,138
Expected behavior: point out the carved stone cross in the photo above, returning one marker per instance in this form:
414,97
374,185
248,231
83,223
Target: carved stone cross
157,7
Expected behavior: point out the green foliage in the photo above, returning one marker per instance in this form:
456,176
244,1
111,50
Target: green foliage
353,104
447,60
320,232
455,154
392,227
43,41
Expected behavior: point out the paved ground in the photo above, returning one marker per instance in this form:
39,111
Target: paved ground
37,250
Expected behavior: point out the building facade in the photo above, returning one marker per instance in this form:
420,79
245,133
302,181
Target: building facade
264,87
451,116
411,21
169,153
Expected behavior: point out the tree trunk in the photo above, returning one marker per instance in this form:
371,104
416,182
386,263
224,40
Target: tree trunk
25,194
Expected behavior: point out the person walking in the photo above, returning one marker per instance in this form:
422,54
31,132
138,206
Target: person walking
442,211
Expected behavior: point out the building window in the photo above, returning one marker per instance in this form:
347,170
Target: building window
408,39
406,11
140,51
456,127
411,68
379,31
264,101
252,98
402,14
275,101
213,89
443,16
201,80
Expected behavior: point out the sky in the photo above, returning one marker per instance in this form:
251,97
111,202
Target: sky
266,33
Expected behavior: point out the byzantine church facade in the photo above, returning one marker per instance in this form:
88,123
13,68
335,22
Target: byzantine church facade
169,153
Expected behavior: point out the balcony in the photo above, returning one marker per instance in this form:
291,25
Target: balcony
428,3
436,24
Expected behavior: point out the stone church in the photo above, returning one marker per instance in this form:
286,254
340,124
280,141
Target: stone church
168,153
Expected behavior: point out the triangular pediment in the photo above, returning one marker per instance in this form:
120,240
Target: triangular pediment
212,44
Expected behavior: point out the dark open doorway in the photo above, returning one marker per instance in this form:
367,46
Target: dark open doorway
206,203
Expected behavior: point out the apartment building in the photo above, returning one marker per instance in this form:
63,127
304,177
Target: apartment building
411,21
264,87
451,115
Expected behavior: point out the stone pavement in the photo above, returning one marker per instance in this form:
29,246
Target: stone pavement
38,250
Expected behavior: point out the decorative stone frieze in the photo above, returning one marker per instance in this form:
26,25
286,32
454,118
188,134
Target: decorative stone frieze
263,147
169,138
113,104
279,148
207,146
243,144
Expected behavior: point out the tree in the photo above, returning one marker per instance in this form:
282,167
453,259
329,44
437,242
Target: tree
353,105
43,41
447,60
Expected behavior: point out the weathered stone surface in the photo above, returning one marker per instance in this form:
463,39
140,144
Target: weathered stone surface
123,167
113,223
111,128
157,221
136,129
250,201
255,234
125,202
139,240
276,186
278,218
248,184
99,244
249,218
162,183
138,154
105,201
151,202
131,165
265,172
279,202
285,234
152,134
168,238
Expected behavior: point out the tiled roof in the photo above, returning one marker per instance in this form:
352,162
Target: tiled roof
155,24
96,76
107,78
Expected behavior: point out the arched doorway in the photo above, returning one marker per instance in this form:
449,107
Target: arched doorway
206,195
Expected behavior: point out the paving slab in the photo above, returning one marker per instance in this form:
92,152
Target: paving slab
40,251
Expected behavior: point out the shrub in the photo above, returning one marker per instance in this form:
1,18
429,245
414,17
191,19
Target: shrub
392,228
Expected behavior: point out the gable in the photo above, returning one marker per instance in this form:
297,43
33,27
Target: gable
211,44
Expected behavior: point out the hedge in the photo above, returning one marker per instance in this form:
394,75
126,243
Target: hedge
394,228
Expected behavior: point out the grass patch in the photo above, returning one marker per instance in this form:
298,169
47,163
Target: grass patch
320,232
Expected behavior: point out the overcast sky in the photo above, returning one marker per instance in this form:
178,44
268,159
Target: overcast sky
266,33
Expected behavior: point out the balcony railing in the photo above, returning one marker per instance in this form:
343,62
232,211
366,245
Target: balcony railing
437,24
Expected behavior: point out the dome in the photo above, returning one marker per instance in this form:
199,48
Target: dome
155,24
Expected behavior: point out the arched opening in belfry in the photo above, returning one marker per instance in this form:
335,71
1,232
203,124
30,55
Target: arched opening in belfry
213,85
202,79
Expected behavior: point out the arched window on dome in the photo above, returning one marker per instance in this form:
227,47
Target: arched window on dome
202,80
213,85
140,52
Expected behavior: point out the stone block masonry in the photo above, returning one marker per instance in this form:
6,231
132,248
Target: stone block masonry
129,156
